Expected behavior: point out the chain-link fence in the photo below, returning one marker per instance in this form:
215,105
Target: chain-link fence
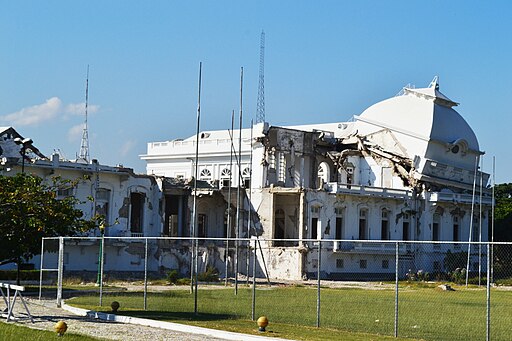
428,290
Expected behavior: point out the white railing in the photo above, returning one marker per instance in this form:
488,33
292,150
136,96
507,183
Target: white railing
368,190
369,247
456,197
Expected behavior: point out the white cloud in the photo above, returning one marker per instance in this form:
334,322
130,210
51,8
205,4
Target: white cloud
79,108
75,132
35,114
47,111
127,147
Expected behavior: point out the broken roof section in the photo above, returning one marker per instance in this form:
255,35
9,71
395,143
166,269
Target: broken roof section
10,150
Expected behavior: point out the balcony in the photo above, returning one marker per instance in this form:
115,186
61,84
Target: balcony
370,247
339,188
459,198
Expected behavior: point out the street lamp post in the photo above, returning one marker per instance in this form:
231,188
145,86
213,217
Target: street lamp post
24,143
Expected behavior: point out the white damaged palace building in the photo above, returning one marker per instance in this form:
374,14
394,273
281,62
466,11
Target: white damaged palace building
403,170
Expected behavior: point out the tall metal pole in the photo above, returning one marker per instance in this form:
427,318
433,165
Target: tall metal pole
195,242
471,221
318,283
228,228
480,223
396,288
60,272
146,274
250,209
102,262
492,215
253,314
488,324
238,201
41,269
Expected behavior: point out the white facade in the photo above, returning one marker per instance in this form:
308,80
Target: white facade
403,170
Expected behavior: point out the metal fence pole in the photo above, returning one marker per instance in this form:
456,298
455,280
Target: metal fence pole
196,269
60,272
396,289
41,270
488,324
318,284
253,312
146,275
102,252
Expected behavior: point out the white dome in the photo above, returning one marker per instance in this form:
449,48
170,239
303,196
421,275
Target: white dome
417,118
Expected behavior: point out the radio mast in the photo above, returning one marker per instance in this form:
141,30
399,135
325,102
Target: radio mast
260,109
84,145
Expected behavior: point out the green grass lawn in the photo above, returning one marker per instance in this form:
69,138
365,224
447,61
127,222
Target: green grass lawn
13,332
425,312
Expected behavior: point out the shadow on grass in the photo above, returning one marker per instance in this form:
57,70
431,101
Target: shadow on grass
176,316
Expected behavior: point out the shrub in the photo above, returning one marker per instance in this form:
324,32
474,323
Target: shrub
173,276
210,275
420,275
458,276
183,281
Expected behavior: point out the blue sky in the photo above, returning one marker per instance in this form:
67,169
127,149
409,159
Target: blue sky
325,61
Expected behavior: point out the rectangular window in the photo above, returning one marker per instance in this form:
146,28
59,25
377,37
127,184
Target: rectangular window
339,228
314,228
137,212
384,231
435,232
405,230
362,263
456,236
339,263
202,227
362,225
64,192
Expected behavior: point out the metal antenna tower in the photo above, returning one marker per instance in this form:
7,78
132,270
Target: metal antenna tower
84,145
260,109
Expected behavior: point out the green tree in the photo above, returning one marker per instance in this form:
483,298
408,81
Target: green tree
503,213
29,211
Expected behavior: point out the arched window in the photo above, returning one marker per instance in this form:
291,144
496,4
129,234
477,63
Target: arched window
225,177
205,174
246,176
323,173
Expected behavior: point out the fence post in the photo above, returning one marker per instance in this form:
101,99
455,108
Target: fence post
396,289
253,312
488,324
102,252
318,284
60,272
146,275
41,269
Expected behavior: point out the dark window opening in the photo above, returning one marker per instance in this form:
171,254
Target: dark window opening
405,230
137,212
339,228
435,232
314,228
202,226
